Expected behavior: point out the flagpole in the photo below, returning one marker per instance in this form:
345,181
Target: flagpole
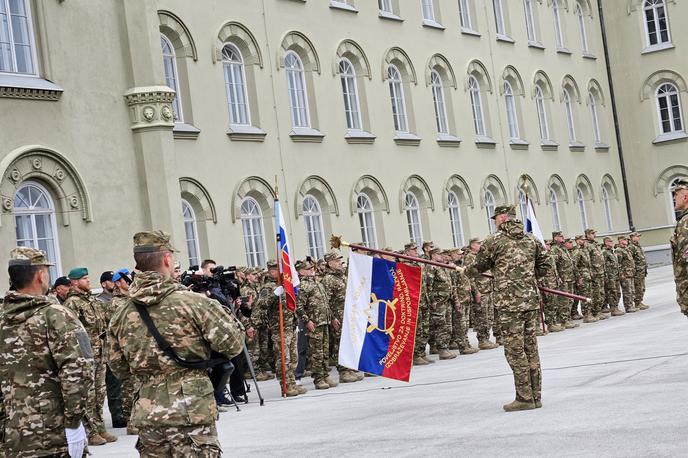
542,303
279,283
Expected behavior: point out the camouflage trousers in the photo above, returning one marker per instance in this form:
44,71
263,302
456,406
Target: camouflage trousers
114,397
597,292
551,306
96,398
484,318
460,318
290,355
422,330
628,290
583,290
439,324
319,352
263,348
612,292
564,304
521,352
638,287
199,441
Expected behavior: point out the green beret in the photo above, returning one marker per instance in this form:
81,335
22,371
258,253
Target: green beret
77,273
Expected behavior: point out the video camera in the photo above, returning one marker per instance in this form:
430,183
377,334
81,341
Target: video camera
220,285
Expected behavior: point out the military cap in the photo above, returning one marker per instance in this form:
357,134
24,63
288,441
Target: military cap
474,240
410,246
119,274
388,248
681,183
504,210
152,241
106,276
622,237
451,251
435,251
304,264
243,269
428,243
77,273
332,255
25,256
61,281
568,240
607,238
580,237
556,234
590,231
635,234
272,264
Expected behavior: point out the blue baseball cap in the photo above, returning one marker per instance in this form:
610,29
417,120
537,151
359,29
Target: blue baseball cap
119,274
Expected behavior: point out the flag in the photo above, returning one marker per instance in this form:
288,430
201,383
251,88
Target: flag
532,225
379,320
290,278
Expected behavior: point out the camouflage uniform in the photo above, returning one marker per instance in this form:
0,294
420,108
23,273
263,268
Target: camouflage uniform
334,283
583,270
439,291
516,260
482,313
91,313
564,265
461,299
611,279
423,322
46,371
128,389
679,256
640,273
549,301
597,278
312,306
626,274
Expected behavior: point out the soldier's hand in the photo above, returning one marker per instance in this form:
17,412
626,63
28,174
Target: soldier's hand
477,298
310,326
336,324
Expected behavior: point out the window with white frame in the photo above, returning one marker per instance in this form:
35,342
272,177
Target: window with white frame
554,203
511,114
169,62
607,208
296,83
254,236
558,31
17,41
366,220
595,118
523,204
530,20
490,205
396,93
34,215
465,14
312,217
191,231
656,24
352,106
568,108
386,6
413,218
428,10
235,85
580,17
541,113
669,109
454,206
499,17
476,106
439,103
582,211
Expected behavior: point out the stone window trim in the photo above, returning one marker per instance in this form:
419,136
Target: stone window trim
316,186
343,5
16,86
419,187
253,186
458,185
198,196
557,184
372,187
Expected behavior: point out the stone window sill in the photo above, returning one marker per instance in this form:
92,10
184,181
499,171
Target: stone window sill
549,145
505,38
588,55
359,137
406,139
483,141
467,31
536,45
306,135
238,132
432,24
28,87
448,140
563,51
390,16
601,147
657,48
518,144
335,5
670,137
184,131
576,146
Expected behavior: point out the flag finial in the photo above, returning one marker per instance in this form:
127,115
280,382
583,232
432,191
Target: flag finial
336,242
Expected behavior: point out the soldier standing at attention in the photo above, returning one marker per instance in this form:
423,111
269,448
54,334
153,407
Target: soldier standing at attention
597,271
581,265
439,291
560,253
679,243
423,323
517,260
462,297
640,270
482,309
91,313
46,365
611,277
175,410
626,273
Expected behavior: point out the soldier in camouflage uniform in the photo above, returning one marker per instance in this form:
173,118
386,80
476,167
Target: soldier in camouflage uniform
583,270
626,273
312,307
517,260
640,270
269,301
549,301
439,292
461,300
175,409
561,254
611,277
260,343
482,309
91,313
423,322
679,243
597,271
46,365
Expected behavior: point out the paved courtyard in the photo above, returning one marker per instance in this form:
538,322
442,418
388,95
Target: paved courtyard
614,388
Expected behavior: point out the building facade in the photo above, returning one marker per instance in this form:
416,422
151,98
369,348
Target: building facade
382,121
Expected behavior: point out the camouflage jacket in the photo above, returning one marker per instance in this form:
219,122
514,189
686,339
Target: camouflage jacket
638,258
611,265
679,257
480,284
551,280
564,263
596,258
170,395
270,303
250,290
516,260
335,286
46,371
438,285
461,288
118,300
581,264
311,302
91,313
626,264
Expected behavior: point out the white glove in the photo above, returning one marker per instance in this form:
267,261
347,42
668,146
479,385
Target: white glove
279,291
76,440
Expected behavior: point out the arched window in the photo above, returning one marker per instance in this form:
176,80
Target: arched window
428,10
595,118
568,108
396,93
169,62
607,208
656,26
235,85
523,204
366,220
530,20
312,217
511,116
191,230
499,17
541,113
476,106
34,212
580,200
669,109
465,14
454,207
254,238
558,31
298,102
17,48
352,106
581,29
490,205
413,218
554,202
438,99
385,5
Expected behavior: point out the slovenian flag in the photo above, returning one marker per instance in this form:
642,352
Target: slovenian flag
532,225
379,321
290,278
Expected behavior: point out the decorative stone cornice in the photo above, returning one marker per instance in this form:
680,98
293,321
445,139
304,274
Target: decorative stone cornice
150,107
30,88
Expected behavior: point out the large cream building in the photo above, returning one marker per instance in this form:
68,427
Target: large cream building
382,121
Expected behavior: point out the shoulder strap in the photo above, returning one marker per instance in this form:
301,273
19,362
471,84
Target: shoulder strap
167,348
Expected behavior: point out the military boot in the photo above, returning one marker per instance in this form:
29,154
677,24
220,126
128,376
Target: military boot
359,375
108,437
642,306
554,328
321,385
519,405
446,354
617,312
538,404
292,391
487,345
601,316
571,325
433,350
96,439
263,376
347,377
301,389
631,310
417,361
428,359
468,350
453,346
576,316
132,430
330,381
